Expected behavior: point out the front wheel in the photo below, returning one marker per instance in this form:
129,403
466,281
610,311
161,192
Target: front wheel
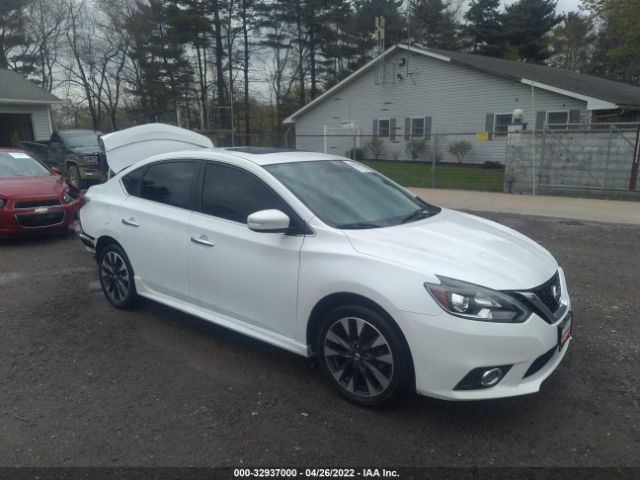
362,355
74,177
116,277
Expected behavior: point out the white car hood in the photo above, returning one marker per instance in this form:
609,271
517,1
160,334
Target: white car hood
461,246
131,145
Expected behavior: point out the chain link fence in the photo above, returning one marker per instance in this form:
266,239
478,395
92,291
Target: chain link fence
560,159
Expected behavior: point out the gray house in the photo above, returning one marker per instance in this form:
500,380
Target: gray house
24,109
439,96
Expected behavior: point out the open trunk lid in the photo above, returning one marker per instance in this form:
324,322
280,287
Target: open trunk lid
129,146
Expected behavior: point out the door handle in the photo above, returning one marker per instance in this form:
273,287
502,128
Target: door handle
131,222
202,240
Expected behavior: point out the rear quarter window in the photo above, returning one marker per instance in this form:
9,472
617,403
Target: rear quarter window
131,181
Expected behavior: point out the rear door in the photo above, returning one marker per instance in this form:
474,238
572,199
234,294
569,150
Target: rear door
249,276
153,222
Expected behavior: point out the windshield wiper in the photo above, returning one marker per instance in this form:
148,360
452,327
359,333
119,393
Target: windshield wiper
357,225
418,214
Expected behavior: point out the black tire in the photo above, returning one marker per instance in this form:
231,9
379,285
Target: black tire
116,277
369,368
73,174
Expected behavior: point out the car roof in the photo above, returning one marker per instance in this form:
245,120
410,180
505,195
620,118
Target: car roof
270,156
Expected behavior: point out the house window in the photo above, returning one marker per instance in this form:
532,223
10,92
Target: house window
384,128
501,124
417,128
558,120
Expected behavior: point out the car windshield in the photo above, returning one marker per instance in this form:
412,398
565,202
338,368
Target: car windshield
349,195
19,164
82,139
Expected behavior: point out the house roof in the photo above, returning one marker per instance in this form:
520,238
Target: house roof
599,93
14,88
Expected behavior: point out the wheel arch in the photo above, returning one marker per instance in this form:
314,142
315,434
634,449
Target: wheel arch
103,242
339,299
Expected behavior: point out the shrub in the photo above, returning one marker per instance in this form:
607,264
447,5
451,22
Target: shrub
355,154
460,148
414,148
374,148
492,164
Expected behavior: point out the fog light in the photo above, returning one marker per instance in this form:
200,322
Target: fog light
491,377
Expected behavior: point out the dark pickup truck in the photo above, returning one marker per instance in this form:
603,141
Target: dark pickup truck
75,152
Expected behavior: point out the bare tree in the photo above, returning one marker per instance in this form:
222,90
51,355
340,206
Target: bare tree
47,21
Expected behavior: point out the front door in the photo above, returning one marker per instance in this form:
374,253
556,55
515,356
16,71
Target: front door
249,276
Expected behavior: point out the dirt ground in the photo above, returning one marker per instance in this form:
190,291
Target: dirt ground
82,383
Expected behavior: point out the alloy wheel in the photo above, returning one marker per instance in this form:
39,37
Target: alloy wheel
359,357
115,277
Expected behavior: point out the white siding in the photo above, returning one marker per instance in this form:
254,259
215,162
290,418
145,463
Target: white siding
39,117
457,98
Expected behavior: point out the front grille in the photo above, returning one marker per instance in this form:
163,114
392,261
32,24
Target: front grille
37,203
540,362
34,220
545,292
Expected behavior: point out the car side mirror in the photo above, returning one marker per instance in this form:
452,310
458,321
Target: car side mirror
56,170
269,221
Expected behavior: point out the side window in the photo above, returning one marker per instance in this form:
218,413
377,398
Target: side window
234,195
417,127
169,183
558,120
384,128
502,122
131,181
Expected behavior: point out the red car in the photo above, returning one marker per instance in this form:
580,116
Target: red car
33,198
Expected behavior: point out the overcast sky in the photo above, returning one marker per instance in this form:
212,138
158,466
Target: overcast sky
563,5
568,5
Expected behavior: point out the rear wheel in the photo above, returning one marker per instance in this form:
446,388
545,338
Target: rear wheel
362,355
75,179
116,277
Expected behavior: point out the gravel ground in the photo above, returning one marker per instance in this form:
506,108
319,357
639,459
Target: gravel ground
85,384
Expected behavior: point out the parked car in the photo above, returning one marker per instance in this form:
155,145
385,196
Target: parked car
321,255
33,198
74,152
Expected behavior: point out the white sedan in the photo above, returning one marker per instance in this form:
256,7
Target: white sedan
321,255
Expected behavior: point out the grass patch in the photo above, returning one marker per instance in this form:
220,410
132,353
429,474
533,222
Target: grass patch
417,174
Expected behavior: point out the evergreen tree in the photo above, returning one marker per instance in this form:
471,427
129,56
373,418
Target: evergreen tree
164,76
527,27
13,32
434,24
483,28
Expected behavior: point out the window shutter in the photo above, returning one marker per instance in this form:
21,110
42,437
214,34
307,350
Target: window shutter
392,129
374,130
541,117
574,117
407,128
488,126
427,128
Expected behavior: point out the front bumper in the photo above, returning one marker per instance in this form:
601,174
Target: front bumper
37,220
91,173
446,348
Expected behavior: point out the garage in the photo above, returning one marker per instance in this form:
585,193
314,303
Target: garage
15,127
25,113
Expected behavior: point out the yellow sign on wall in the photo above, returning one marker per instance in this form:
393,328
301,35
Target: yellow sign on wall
482,136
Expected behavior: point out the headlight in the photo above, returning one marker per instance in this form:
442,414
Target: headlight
66,198
473,302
